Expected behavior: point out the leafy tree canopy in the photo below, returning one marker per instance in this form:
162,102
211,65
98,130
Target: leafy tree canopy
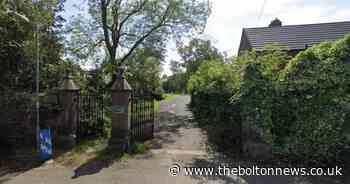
196,52
18,22
144,69
276,22
123,26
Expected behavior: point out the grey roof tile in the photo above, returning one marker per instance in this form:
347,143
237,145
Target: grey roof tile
295,37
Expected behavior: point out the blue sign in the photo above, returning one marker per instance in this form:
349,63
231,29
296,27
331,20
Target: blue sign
45,144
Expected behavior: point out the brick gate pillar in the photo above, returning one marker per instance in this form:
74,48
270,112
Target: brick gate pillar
70,115
121,112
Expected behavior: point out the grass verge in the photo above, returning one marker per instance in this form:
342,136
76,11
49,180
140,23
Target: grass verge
97,150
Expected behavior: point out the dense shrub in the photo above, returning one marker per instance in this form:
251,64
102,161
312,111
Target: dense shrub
255,97
317,84
213,77
301,105
211,89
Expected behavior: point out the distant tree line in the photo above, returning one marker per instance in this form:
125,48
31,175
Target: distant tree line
193,54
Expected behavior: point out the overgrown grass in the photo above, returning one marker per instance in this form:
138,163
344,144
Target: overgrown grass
82,152
138,148
97,150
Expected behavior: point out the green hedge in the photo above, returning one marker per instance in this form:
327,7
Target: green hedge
316,84
215,114
210,103
302,105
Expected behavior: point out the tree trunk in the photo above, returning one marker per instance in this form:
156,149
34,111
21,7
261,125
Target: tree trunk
113,74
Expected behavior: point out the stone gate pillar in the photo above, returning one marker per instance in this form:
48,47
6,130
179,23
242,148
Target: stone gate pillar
70,115
121,95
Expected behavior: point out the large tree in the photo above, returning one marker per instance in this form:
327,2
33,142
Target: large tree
196,52
175,67
18,21
125,25
144,70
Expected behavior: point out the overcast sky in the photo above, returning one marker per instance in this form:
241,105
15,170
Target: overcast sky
224,26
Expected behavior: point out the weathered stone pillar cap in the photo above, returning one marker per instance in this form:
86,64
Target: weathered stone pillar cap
68,84
121,85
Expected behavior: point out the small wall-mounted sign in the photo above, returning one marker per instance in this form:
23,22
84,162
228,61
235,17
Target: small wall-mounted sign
119,108
45,144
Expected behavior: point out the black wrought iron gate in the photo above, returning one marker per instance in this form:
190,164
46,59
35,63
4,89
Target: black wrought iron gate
91,113
142,117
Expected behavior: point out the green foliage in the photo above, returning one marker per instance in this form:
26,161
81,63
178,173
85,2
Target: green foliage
301,106
317,83
211,87
175,83
18,21
125,26
213,77
196,52
219,118
144,71
275,22
137,148
255,101
176,67
272,60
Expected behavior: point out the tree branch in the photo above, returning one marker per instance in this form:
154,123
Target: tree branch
133,12
115,32
105,26
141,39
79,49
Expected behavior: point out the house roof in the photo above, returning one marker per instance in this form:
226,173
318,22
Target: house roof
295,37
